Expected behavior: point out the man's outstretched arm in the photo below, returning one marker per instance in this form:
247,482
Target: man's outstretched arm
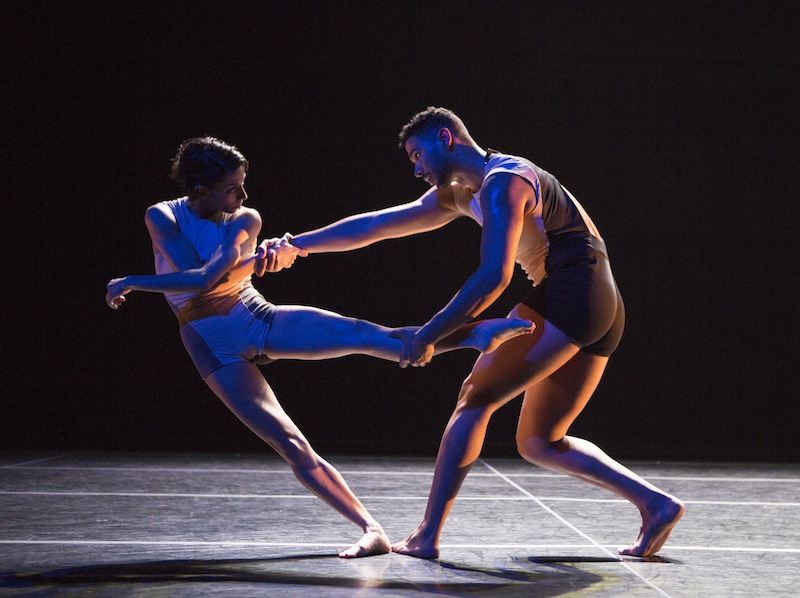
354,232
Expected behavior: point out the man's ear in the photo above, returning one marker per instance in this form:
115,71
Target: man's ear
447,138
199,190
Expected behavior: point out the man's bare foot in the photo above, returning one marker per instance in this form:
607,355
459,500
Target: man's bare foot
656,528
373,542
487,335
414,546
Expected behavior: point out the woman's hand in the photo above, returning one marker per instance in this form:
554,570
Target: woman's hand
417,351
115,292
276,254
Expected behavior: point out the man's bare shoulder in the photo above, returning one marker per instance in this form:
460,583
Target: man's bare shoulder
507,186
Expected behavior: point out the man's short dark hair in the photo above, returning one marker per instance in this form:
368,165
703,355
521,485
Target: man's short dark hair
205,161
433,118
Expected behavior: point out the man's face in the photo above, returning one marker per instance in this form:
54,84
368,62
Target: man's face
228,195
429,155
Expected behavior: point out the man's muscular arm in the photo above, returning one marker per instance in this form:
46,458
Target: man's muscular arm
354,232
504,201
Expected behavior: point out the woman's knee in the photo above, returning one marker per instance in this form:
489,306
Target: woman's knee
295,450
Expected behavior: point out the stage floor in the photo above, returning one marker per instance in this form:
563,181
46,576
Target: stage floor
241,525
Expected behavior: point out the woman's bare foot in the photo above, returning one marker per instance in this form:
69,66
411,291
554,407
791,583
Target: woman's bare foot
373,542
414,546
656,528
487,335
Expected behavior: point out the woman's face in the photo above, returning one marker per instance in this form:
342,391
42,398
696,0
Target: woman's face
229,194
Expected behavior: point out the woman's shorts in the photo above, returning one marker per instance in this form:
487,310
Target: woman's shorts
237,334
579,296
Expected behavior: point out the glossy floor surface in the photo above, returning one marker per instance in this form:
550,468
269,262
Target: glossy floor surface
233,525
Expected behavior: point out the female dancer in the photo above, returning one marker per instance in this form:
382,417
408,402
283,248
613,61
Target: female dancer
204,247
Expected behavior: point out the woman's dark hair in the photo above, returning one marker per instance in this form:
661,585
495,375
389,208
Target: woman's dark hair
205,161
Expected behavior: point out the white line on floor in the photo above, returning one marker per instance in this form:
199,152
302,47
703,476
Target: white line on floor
26,464
574,528
382,473
256,544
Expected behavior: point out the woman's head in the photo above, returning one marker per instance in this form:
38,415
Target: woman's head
205,161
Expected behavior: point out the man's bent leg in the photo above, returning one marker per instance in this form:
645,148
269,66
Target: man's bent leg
547,412
496,379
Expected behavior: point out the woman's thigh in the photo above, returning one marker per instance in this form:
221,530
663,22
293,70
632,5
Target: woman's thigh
301,332
243,389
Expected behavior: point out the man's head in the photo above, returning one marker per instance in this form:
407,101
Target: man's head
432,120
432,139
205,162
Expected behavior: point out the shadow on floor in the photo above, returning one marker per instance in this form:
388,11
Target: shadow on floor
547,577
601,559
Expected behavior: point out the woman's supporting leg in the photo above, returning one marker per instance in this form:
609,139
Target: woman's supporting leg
300,332
246,393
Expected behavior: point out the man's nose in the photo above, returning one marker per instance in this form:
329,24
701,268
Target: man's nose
418,171
242,193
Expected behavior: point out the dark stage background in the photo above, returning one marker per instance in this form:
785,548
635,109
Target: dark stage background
675,124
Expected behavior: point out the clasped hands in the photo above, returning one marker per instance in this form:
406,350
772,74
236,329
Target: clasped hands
417,351
275,254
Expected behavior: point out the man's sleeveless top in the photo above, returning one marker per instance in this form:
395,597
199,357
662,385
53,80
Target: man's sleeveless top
556,219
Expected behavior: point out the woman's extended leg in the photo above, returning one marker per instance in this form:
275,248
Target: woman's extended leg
496,378
549,409
245,392
300,332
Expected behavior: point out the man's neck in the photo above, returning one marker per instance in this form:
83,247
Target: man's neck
469,163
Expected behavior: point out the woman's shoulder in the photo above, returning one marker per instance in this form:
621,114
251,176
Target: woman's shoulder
248,218
164,212
166,206
247,214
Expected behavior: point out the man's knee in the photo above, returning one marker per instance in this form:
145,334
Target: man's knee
537,449
474,395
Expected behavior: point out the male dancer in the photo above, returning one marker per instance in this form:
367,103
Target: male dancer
527,217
